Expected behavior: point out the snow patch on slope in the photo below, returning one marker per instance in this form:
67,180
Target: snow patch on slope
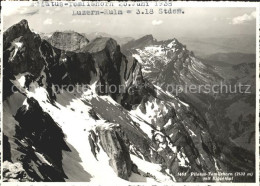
71,113
152,171
17,45
42,158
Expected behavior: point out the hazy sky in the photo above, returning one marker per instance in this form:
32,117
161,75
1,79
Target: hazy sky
195,22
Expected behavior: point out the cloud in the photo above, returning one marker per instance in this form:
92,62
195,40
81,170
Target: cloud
16,10
61,23
28,10
47,21
244,18
157,22
10,11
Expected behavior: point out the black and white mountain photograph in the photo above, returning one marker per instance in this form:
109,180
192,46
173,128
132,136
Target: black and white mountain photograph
150,94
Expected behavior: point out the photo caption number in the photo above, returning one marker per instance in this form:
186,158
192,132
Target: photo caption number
145,11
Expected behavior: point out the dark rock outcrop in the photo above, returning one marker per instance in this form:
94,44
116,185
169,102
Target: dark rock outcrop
36,147
114,143
21,50
110,63
138,89
25,53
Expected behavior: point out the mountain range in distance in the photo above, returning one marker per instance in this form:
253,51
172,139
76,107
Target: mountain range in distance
93,35
215,51
237,47
227,49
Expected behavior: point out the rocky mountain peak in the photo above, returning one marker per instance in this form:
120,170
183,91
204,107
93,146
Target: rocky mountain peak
100,44
21,49
147,39
140,43
171,44
24,23
21,27
15,31
68,40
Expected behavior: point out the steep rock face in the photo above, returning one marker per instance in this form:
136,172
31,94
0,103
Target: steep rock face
33,58
16,31
28,57
176,138
111,65
21,55
21,50
67,67
114,143
69,41
138,89
36,146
